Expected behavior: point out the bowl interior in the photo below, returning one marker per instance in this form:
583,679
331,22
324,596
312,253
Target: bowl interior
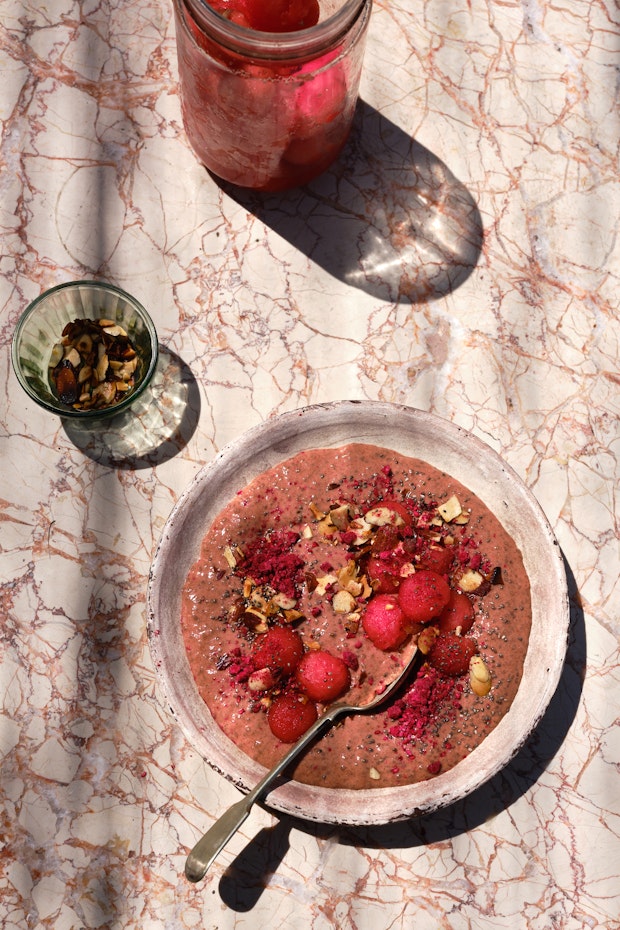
41,327
411,432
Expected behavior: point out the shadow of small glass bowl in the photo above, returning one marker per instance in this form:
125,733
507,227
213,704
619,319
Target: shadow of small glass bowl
40,328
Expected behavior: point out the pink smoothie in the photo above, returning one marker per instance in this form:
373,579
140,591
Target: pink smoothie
228,605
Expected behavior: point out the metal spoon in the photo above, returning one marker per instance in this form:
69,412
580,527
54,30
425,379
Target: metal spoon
214,840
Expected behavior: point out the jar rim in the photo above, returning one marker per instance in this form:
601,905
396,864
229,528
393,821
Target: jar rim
276,44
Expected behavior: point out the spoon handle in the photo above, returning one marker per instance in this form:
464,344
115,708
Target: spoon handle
214,840
209,845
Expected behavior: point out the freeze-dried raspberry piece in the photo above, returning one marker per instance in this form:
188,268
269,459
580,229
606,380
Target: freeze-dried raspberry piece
384,622
290,716
322,676
423,596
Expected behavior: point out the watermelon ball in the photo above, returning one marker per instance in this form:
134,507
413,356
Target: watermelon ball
423,596
457,616
290,716
399,509
234,10
322,676
280,650
384,574
386,560
384,622
438,559
450,654
385,540
281,15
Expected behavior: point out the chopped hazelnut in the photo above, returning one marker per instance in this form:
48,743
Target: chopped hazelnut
450,509
426,639
362,530
352,623
479,676
343,602
327,528
348,575
324,582
383,516
261,680
470,581
340,516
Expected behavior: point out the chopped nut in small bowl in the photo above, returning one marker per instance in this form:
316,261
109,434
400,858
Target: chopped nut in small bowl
84,350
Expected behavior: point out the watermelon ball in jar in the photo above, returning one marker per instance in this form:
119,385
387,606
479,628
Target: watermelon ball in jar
269,87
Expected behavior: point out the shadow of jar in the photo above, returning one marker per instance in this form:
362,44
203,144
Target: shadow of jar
388,217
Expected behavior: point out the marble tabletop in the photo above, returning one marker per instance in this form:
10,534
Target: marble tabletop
461,257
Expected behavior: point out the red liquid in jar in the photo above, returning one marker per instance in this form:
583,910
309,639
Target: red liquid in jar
267,123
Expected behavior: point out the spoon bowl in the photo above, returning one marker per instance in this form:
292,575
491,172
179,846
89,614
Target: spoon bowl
214,840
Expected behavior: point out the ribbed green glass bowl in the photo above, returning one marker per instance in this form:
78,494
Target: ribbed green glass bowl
41,326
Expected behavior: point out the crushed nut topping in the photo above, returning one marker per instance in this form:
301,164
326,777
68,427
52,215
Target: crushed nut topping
94,365
383,516
471,581
450,509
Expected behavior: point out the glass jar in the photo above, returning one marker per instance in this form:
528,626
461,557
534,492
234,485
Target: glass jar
269,110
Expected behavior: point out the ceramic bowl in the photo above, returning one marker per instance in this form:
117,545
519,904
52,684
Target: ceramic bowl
414,433
40,328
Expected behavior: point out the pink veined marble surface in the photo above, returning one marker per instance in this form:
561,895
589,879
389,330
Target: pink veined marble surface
461,257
